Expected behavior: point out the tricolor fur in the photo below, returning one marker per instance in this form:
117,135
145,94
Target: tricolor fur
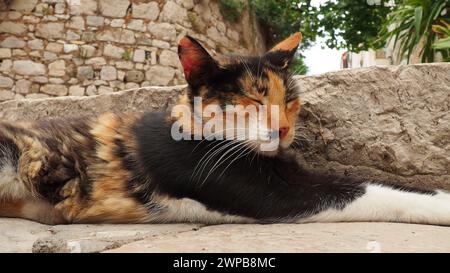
126,168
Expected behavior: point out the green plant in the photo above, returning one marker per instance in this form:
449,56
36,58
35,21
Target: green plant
281,18
127,54
231,9
298,66
410,25
443,43
47,10
352,24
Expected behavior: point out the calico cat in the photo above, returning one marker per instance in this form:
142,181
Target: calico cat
128,168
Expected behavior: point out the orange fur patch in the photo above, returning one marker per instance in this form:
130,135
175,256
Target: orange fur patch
289,43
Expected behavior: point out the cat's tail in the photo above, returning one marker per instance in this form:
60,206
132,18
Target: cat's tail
382,203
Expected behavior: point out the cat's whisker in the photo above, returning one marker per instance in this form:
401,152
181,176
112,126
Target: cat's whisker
203,162
234,146
200,163
221,160
246,149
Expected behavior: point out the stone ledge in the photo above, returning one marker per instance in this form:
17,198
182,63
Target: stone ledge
25,236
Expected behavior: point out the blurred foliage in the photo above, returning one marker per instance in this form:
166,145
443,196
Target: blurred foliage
281,18
298,66
357,25
231,9
352,24
443,43
411,25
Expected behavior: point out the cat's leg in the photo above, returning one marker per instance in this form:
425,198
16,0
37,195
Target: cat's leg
186,210
382,203
31,209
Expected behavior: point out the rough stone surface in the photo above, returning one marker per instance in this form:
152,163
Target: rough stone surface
50,30
139,56
23,86
54,89
6,95
76,22
113,51
6,82
151,98
5,53
134,76
85,72
5,66
97,63
108,73
28,68
54,47
160,75
137,25
76,91
87,51
123,36
162,31
114,8
174,13
335,237
148,10
96,21
169,58
57,68
387,123
36,44
12,42
85,7
12,27
25,236
24,6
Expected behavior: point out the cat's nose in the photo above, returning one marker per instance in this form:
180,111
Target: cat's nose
283,131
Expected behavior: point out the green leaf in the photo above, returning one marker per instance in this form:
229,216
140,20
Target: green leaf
418,12
442,44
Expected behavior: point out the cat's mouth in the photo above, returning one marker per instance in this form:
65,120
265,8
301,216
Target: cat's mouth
270,148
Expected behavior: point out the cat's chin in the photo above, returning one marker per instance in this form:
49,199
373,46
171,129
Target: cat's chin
270,153
282,148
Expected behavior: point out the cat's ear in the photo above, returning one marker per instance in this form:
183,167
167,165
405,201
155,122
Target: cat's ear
196,61
282,54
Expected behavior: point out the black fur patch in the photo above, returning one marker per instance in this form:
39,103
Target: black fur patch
268,189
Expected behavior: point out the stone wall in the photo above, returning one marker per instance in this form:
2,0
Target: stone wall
88,47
